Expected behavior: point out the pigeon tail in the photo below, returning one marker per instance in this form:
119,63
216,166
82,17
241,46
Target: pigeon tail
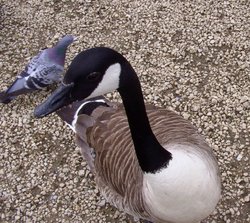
8,95
20,86
5,98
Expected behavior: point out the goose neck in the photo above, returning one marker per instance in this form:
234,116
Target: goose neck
151,155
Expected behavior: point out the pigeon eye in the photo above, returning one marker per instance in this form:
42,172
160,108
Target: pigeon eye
93,76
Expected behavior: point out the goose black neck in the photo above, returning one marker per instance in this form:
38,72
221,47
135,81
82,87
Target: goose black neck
151,155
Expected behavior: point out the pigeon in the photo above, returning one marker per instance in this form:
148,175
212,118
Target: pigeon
44,69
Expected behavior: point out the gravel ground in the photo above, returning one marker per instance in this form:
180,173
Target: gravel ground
192,57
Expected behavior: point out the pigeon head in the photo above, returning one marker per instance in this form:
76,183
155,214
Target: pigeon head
65,41
57,54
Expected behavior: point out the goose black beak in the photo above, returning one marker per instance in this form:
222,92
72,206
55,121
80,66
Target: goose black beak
59,98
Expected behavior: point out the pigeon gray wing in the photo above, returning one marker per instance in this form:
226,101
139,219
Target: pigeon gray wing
35,62
38,74
43,76
40,77
19,85
20,82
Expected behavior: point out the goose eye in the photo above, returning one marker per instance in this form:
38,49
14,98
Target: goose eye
93,76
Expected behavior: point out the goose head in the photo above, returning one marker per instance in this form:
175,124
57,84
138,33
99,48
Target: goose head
93,72
97,71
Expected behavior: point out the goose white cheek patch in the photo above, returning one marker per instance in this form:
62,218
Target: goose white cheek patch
110,81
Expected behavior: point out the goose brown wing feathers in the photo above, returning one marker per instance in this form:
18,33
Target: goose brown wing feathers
114,164
117,171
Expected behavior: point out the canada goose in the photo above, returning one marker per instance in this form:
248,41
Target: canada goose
148,161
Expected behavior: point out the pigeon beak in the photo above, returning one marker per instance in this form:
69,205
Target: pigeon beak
74,38
59,98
